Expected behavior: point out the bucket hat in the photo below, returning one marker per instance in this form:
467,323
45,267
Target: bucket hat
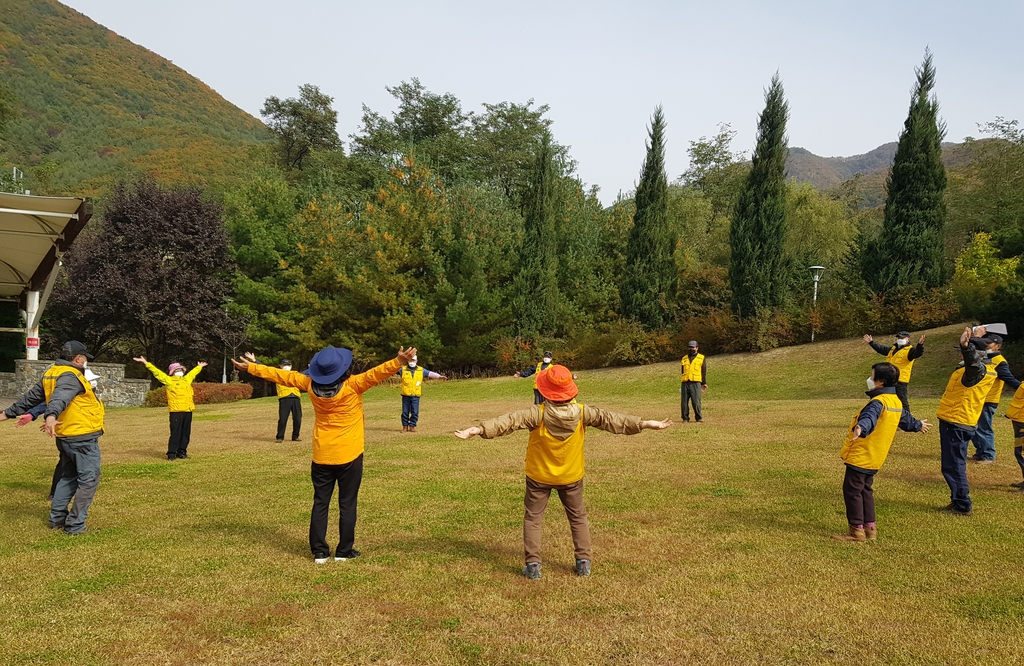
556,384
329,364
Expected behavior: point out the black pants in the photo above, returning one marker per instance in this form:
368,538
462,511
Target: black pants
901,393
181,433
348,477
859,497
691,393
285,406
538,399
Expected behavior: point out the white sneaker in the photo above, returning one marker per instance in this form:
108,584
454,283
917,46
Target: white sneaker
351,554
321,560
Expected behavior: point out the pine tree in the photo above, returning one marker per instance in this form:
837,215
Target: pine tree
757,236
910,249
650,277
536,286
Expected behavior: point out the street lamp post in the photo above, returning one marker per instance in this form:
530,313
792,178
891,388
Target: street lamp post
816,272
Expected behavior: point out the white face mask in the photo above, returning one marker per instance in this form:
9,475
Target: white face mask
85,364
871,384
547,359
286,367
412,364
179,373
902,342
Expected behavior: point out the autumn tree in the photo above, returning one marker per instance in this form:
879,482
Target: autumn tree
302,125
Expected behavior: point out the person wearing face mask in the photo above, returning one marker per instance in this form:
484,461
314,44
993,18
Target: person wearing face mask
180,403
413,375
984,439
866,447
74,416
544,364
693,375
902,355
289,403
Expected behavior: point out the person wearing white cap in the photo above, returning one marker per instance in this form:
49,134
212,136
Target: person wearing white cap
413,375
544,364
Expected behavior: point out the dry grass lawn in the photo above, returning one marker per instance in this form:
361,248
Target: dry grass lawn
711,540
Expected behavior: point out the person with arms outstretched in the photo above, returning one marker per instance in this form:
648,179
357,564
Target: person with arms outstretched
901,355
543,365
181,403
413,375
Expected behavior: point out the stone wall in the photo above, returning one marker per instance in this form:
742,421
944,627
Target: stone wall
112,387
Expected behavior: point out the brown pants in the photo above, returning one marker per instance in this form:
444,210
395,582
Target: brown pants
536,501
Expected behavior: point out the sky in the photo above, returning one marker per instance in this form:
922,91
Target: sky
602,67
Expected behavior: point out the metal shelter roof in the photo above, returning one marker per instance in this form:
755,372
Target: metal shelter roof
34,233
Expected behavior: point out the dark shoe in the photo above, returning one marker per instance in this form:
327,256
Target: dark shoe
985,461
532,570
57,527
84,530
347,556
172,456
182,454
279,440
1012,485
700,420
320,559
296,439
582,567
953,511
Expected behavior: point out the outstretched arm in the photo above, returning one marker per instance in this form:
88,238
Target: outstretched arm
620,424
367,380
159,374
524,419
276,375
35,397
190,377
918,350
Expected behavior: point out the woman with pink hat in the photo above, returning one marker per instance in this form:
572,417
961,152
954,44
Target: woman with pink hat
554,457
180,403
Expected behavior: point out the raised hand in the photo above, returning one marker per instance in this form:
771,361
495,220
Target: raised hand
469,432
406,355
140,359
965,337
920,340
202,364
249,356
868,339
240,365
656,425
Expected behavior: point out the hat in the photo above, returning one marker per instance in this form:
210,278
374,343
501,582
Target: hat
691,343
173,367
547,353
556,384
286,362
903,334
329,365
981,344
993,338
73,348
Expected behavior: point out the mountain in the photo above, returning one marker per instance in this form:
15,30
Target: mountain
91,105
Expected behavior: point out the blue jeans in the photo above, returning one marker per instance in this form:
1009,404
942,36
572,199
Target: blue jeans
410,410
985,437
953,439
80,476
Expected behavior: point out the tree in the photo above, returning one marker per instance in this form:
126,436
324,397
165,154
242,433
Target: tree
302,125
910,249
715,170
535,304
758,265
649,281
156,277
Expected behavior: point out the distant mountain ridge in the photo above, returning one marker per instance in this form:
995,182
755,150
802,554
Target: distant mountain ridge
93,106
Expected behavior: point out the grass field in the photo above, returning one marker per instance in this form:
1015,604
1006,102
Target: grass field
711,540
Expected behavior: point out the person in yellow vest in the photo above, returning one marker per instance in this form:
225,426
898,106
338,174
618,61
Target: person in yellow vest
902,355
180,403
544,364
984,439
289,403
413,375
338,436
554,458
694,381
959,411
1015,412
867,446
74,416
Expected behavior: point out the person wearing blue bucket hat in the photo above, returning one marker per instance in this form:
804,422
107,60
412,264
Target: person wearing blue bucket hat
338,436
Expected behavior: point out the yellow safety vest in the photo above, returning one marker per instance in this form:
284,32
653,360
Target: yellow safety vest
963,405
691,370
536,374
553,461
901,359
84,415
412,381
1015,411
287,391
996,393
871,451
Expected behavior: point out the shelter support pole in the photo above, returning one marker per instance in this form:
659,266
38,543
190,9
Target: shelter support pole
32,332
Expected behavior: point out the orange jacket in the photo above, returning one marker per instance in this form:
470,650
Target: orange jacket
338,431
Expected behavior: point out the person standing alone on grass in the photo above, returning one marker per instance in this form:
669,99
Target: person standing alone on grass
867,446
74,415
959,411
985,437
338,436
902,355
413,376
554,458
544,364
693,371
180,403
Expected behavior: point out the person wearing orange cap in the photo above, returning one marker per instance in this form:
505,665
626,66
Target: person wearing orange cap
554,458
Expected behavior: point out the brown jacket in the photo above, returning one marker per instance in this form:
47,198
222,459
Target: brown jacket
561,421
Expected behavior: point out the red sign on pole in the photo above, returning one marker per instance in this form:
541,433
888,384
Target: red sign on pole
32,343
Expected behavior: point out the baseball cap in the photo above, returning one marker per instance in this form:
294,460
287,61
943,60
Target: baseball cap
73,348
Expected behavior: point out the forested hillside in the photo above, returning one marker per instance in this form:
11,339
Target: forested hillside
90,106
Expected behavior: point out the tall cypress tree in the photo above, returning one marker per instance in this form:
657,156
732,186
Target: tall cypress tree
757,236
535,302
649,282
909,250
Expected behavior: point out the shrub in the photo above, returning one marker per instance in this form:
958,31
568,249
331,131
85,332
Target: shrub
205,394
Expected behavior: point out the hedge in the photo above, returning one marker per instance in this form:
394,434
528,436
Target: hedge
206,394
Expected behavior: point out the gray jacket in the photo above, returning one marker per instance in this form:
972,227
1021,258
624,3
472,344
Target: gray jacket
66,389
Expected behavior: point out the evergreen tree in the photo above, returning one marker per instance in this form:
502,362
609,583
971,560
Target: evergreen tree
758,267
909,250
535,303
649,280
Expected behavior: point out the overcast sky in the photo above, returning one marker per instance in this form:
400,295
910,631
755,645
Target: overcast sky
847,67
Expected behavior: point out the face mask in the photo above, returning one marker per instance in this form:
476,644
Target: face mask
179,373
85,364
412,364
286,367
547,359
902,343
871,384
